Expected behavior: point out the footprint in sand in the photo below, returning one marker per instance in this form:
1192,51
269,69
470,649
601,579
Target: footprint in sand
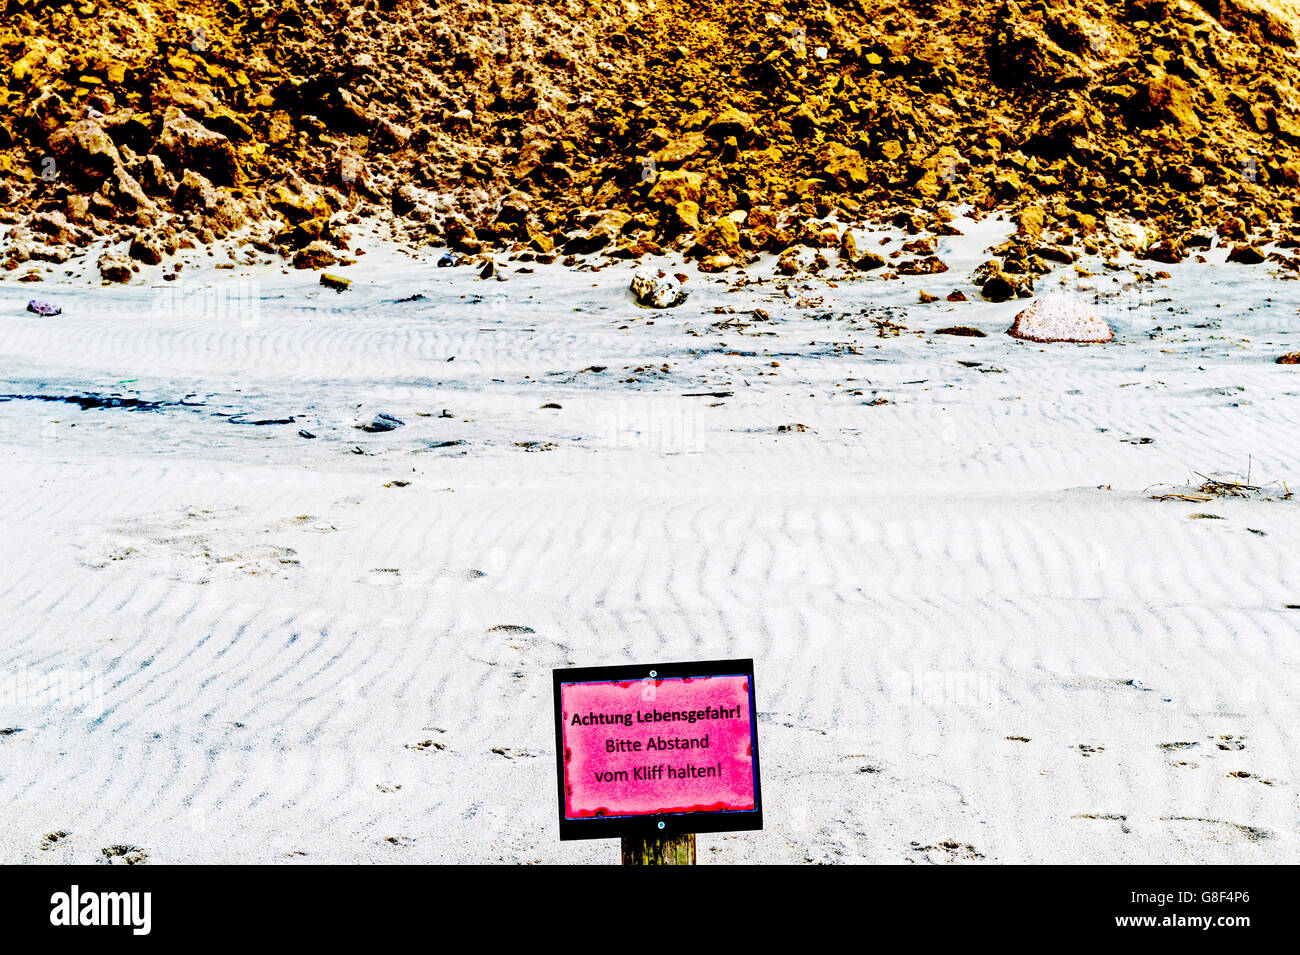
793,722
50,839
1249,833
826,855
527,650
1242,774
306,522
511,753
945,853
427,744
1174,748
124,855
1106,817
172,547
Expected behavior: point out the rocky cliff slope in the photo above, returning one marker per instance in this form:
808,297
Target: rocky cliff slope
631,126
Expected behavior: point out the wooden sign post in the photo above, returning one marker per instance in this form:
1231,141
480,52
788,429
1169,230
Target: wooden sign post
676,851
654,754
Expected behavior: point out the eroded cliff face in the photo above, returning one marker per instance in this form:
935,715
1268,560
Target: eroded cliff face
628,127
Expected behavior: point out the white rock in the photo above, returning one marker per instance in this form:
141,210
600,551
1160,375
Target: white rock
1058,318
655,288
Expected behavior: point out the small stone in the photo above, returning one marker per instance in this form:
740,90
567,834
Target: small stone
927,265
1166,250
1057,253
114,267
721,237
145,249
38,307
998,287
853,250
384,422
537,239
1246,255
315,255
1030,223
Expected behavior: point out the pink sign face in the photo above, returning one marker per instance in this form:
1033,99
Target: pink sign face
645,747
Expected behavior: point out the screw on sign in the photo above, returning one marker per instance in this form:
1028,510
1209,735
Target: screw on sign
654,754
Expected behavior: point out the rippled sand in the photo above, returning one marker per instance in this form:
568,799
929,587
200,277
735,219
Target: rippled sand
977,636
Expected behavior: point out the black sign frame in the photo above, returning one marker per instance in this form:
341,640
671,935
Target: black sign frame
657,825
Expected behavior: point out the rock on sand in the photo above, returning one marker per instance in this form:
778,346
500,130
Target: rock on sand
1058,318
656,289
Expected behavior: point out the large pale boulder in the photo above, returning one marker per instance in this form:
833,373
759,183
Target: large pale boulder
1058,318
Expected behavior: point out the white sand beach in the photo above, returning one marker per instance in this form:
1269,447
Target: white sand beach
978,636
